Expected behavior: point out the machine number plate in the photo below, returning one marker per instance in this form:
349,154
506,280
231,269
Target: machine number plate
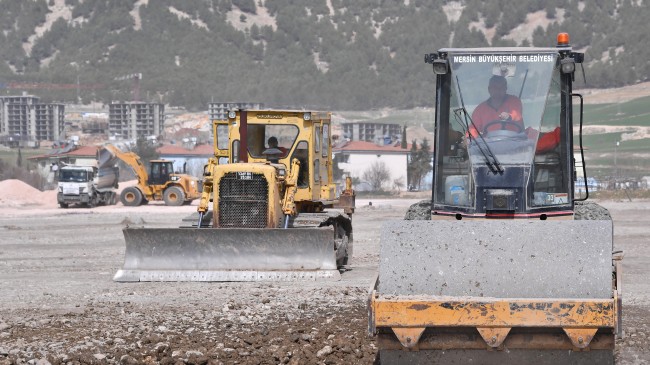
245,175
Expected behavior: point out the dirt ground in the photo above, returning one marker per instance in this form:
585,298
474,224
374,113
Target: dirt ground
59,304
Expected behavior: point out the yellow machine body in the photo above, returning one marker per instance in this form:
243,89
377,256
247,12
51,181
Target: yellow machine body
267,212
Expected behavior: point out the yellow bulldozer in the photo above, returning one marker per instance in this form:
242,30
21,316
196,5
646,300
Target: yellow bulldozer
161,183
504,271
275,211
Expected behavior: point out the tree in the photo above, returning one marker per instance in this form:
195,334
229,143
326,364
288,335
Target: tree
146,151
19,159
247,6
398,184
419,163
376,175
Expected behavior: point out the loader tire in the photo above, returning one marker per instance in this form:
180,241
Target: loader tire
174,196
63,205
131,197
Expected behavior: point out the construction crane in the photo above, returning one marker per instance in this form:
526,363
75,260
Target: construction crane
136,77
47,86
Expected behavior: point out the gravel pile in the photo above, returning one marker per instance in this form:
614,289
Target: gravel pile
419,211
268,330
591,211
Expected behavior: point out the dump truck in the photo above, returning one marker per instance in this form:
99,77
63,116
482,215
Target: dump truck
502,273
275,214
87,185
160,183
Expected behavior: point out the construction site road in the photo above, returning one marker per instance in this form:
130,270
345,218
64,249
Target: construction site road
59,304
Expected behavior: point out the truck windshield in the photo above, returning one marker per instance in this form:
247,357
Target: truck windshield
499,100
73,176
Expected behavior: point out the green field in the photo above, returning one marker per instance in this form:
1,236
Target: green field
10,156
634,112
603,156
600,148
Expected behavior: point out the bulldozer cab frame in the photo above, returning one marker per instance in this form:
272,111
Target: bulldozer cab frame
304,136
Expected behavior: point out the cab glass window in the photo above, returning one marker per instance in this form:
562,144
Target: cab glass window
302,154
261,137
326,139
222,136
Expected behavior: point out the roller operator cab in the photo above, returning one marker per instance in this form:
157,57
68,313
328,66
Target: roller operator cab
511,160
472,284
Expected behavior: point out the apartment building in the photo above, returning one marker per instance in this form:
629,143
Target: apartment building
133,120
24,119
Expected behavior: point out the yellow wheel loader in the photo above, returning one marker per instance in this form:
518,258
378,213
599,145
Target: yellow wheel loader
161,183
501,273
275,211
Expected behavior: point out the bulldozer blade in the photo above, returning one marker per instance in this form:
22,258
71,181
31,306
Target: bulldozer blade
229,254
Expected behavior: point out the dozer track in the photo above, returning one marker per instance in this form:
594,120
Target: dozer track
312,248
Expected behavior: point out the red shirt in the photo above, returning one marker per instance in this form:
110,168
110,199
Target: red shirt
548,141
485,113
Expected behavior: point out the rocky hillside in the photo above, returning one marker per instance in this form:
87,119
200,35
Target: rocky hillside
334,54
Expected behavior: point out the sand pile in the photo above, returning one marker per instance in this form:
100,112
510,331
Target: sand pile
15,193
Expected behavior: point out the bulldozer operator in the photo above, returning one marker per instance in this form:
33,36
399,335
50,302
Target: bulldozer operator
273,143
274,152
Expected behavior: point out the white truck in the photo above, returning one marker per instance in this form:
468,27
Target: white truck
87,185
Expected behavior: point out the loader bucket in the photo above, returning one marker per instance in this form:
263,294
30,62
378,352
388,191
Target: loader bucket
105,158
237,254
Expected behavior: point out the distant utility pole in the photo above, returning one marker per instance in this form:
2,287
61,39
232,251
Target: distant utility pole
616,163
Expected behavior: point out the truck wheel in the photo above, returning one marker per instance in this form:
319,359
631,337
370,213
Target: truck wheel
131,196
63,205
113,200
174,196
92,202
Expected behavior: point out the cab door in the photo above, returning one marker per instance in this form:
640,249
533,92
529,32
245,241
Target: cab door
317,159
221,141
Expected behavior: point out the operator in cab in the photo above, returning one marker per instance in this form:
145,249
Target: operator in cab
500,111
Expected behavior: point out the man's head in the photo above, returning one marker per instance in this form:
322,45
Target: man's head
497,88
273,142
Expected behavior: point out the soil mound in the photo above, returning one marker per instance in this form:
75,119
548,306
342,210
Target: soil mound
420,211
14,193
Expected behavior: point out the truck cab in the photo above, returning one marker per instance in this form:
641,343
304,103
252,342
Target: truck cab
86,185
